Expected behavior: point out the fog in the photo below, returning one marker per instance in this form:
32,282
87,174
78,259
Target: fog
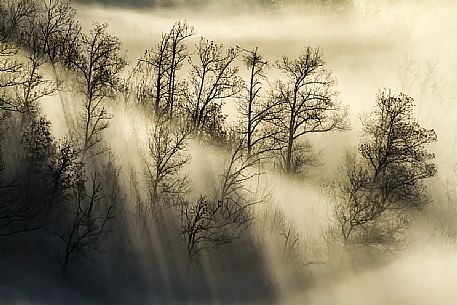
407,46
402,45
396,44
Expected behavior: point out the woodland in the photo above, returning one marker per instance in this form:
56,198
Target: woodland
185,215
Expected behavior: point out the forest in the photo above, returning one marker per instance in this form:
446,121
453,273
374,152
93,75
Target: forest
154,180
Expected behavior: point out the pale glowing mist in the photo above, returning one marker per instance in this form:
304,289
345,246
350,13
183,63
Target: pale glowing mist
408,46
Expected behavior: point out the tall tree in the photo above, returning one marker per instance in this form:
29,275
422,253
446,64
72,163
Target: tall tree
58,31
393,161
254,109
212,80
307,102
178,54
99,65
158,68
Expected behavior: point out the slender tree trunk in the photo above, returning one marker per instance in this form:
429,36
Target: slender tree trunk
290,143
171,82
158,92
251,100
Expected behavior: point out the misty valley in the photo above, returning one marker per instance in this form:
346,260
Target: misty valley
228,152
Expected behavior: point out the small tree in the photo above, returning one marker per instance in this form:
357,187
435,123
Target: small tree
154,64
166,158
388,174
22,84
213,222
33,86
86,225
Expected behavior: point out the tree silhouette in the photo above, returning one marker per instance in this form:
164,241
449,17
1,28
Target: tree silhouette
99,65
58,32
212,80
158,69
256,110
219,221
166,157
389,172
32,87
306,103
87,224
16,17
178,54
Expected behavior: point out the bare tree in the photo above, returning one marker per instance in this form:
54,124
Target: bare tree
360,213
58,30
212,80
10,74
46,29
22,86
354,209
238,171
32,87
15,16
155,62
307,100
197,225
159,67
99,65
178,54
87,225
254,109
165,160
219,221
206,223
43,173
388,175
